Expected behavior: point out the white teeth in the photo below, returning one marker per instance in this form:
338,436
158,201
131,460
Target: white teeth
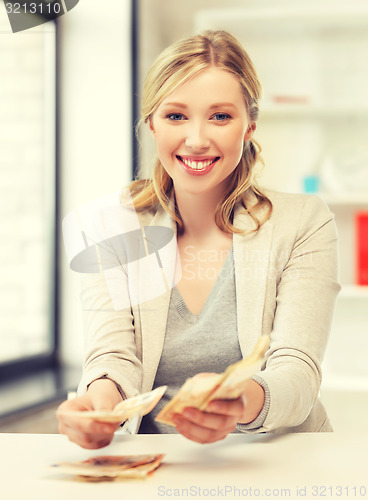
200,165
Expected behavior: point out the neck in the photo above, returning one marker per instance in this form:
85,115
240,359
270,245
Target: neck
198,215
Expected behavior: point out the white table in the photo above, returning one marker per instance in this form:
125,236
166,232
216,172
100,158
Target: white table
326,465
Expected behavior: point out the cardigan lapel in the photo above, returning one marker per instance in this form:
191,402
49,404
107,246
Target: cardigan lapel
252,253
156,275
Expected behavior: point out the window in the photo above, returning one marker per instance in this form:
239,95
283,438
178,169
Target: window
27,196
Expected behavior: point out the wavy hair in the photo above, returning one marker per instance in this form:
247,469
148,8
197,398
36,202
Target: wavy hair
176,65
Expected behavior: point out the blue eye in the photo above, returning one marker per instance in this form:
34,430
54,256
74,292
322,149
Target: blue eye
221,117
175,117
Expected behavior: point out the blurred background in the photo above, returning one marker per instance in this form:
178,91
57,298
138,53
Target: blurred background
69,102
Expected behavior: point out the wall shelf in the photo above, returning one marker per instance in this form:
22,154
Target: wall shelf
295,19
354,292
307,110
339,382
358,200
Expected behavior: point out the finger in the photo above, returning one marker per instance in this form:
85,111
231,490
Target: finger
197,433
87,433
87,425
89,442
93,429
210,420
231,407
77,404
86,440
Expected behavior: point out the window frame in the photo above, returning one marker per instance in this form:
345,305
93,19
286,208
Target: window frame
26,365
50,362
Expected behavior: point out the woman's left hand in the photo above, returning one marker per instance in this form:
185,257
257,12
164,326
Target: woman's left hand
219,419
221,415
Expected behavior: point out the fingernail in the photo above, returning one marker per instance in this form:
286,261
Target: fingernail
188,412
177,419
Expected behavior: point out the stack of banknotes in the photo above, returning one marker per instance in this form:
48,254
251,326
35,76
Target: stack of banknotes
200,390
125,410
109,468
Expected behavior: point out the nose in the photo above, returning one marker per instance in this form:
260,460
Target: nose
197,138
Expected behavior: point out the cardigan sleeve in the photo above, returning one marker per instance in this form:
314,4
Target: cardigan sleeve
305,297
111,349
110,346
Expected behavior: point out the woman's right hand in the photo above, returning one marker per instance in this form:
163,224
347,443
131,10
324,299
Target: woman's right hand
102,394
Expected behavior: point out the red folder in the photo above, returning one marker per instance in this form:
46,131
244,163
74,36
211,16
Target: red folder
362,247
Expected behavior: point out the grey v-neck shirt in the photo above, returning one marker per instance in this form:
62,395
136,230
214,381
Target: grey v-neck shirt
207,342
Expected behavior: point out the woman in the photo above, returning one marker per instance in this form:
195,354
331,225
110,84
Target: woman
252,262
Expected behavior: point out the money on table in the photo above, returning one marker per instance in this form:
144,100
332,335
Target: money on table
110,467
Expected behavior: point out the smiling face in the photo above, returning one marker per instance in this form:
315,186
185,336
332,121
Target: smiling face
200,131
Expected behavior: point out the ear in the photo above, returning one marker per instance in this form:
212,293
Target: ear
250,131
151,129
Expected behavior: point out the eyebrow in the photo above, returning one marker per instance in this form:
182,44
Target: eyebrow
223,105
177,104
213,106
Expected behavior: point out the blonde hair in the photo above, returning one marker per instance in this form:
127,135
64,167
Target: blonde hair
176,65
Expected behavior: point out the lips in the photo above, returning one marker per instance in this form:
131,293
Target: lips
197,165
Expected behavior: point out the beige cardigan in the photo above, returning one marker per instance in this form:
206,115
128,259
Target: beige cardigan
286,286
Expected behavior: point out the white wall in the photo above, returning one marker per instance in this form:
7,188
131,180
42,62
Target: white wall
95,84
